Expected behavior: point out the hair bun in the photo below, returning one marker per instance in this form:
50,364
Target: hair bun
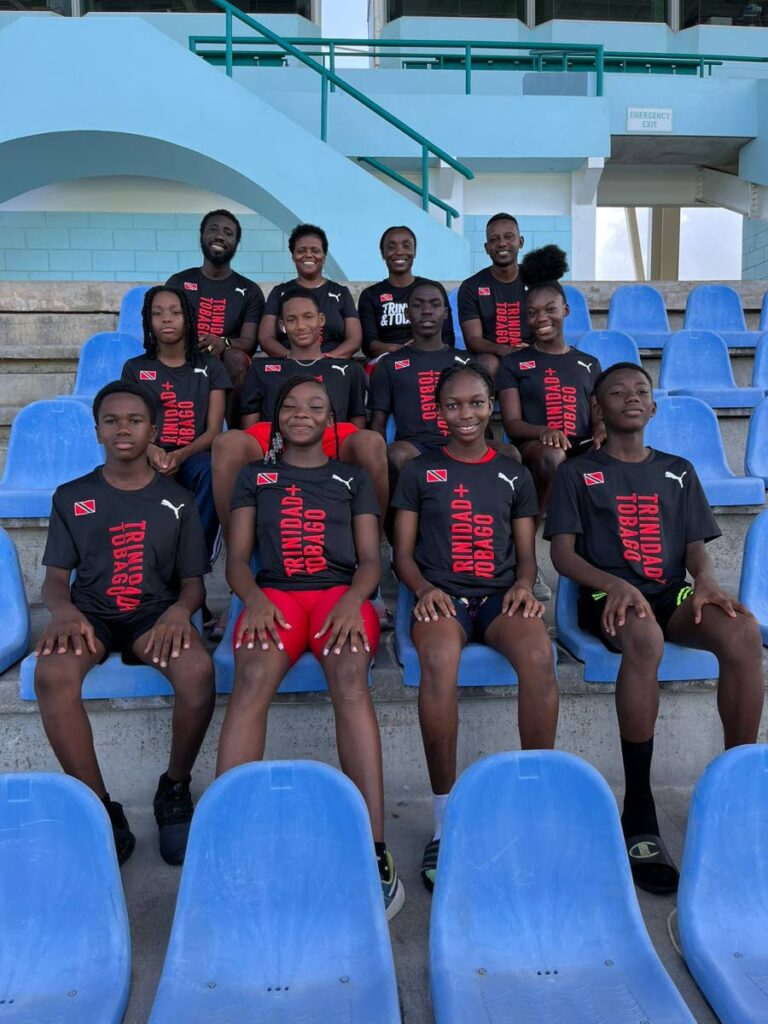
548,263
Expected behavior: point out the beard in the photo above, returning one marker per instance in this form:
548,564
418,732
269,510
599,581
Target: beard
218,259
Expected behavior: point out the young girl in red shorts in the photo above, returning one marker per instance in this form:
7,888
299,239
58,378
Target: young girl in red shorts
318,539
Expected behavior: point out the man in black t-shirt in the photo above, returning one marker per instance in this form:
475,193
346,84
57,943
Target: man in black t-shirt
227,305
383,306
134,541
492,302
626,523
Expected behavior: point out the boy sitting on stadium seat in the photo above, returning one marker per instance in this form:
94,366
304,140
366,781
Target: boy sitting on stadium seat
134,538
626,522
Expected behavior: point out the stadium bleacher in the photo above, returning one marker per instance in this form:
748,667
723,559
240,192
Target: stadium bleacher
639,310
717,307
696,363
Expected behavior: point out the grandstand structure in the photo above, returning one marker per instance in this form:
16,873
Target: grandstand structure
549,109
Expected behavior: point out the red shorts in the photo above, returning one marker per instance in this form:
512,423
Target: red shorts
260,431
306,611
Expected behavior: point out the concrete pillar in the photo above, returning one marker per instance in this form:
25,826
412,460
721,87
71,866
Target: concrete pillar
665,243
584,218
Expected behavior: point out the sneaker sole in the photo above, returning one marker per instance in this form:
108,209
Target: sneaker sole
398,900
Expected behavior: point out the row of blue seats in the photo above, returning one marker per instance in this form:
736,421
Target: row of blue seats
479,665
534,914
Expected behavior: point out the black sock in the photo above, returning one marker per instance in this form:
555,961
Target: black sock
165,783
639,815
381,857
106,800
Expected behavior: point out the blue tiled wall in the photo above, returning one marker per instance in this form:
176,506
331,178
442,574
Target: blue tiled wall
537,231
127,247
754,250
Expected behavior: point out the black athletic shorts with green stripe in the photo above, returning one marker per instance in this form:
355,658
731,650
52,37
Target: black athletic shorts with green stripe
664,604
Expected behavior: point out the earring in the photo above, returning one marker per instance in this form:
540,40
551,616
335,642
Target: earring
275,447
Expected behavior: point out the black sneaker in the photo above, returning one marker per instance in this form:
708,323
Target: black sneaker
173,814
125,840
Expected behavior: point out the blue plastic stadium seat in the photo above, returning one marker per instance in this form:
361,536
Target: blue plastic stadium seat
688,427
722,904
50,443
101,361
639,310
717,307
760,366
697,363
611,347
129,320
602,665
111,680
453,302
261,931
534,915
764,314
479,665
391,429
66,956
753,591
756,455
14,632
578,320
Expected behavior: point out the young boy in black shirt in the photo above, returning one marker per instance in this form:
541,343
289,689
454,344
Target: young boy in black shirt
492,302
227,306
383,307
134,539
626,523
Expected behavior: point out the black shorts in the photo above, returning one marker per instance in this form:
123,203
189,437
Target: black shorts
579,445
475,614
119,635
430,447
663,604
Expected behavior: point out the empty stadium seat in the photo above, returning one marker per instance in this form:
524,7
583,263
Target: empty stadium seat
609,347
50,443
453,302
111,680
14,633
639,310
479,665
534,915
602,665
722,903
697,363
578,320
760,366
753,591
688,427
129,319
102,358
756,455
65,947
717,307
279,915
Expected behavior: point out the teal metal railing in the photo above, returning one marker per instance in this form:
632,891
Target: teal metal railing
330,80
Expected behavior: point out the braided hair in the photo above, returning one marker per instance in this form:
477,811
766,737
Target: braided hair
448,374
275,437
542,268
190,325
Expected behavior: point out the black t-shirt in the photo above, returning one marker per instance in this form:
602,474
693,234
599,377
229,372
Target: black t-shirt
632,519
465,544
182,394
221,307
130,549
403,384
345,379
304,521
499,307
336,303
383,314
554,390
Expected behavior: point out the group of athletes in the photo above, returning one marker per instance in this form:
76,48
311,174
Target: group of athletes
304,487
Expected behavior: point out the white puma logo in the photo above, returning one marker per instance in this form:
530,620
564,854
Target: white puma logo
678,478
202,369
241,290
458,359
173,508
587,366
342,369
347,483
510,482
333,295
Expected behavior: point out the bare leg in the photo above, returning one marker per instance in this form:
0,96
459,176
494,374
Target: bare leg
236,364
490,362
439,645
231,451
258,674
368,449
543,462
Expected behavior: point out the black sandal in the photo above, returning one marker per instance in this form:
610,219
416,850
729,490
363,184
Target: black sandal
429,864
652,866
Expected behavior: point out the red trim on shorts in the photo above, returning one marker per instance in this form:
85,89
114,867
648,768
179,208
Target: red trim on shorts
489,456
260,432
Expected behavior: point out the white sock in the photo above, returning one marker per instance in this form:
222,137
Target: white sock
438,803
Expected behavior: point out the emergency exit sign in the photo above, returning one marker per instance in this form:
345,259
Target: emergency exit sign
649,119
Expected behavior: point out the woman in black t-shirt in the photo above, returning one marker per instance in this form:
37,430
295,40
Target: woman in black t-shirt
545,389
342,333
317,525
464,544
